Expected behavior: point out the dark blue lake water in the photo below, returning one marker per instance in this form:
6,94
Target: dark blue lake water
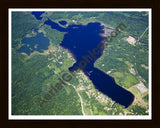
38,15
63,22
86,44
36,43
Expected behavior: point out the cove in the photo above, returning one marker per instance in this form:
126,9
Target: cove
38,15
63,22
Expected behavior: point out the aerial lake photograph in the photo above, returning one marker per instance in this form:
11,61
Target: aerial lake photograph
80,63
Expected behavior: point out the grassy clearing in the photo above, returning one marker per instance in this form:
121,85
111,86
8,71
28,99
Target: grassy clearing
124,79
